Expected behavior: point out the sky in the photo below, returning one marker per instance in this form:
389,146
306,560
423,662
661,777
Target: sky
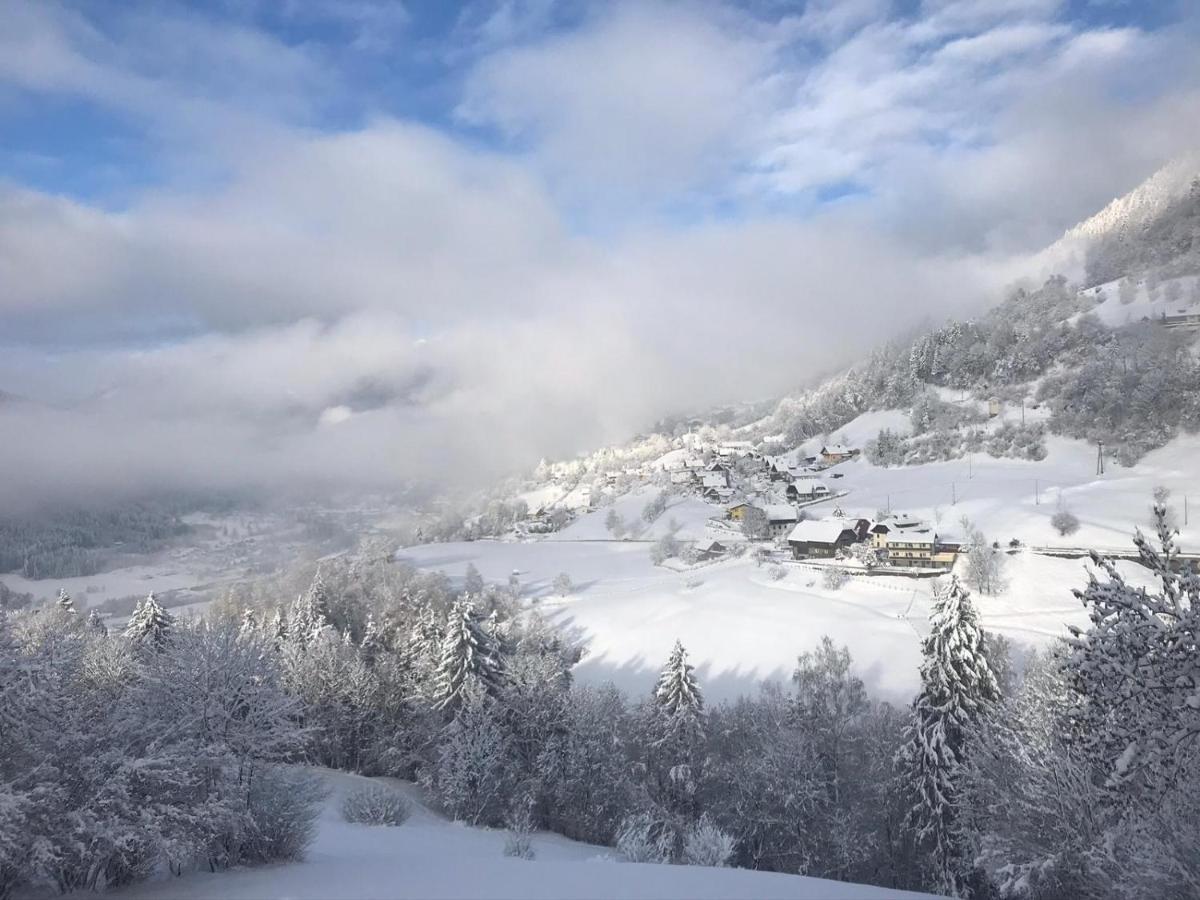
348,243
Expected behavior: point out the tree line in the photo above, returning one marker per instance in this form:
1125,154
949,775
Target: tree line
1068,775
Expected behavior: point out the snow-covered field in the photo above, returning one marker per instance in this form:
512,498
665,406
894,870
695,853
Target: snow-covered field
430,857
741,626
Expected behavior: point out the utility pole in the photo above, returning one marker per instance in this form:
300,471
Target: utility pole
1099,457
953,494
1037,494
970,468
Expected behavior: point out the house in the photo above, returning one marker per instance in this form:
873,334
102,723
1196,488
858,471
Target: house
803,489
737,512
717,494
822,538
836,453
735,448
777,468
780,519
909,543
718,479
681,476
710,549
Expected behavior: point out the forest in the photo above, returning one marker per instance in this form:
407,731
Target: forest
1062,774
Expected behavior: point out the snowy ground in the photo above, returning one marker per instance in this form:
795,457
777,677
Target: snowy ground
429,857
741,626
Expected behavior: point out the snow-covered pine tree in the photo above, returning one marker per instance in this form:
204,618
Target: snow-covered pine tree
249,621
957,689
679,699
470,655
310,612
64,601
150,625
278,627
95,623
1134,676
372,641
676,735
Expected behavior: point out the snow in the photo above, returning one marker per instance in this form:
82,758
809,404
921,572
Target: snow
1114,313
740,626
90,590
690,512
430,857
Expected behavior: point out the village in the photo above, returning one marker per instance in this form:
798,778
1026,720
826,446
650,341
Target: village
784,507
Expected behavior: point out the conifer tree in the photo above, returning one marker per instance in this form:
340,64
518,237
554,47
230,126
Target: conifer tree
679,700
470,655
150,625
310,612
957,689
249,621
96,624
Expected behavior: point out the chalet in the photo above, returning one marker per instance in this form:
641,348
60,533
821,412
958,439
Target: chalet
836,453
822,538
719,479
735,448
908,543
717,494
777,468
803,489
780,519
737,512
710,549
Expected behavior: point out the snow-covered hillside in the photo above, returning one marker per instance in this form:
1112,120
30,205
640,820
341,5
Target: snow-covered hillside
430,857
742,625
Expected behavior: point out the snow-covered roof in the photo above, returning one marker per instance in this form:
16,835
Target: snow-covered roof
912,536
780,513
710,546
824,531
836,449
809,485
713,479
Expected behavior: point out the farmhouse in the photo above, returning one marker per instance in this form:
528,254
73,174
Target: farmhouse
737,512
777,468
807,489
836,453
908,543
710,549
822,537
780,519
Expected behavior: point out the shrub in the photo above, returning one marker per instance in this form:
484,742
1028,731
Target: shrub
707,845
375,806
518,842
282,806
1065,522
642,839
778,573
834,577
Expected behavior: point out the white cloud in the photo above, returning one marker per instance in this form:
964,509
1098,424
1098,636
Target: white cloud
394,301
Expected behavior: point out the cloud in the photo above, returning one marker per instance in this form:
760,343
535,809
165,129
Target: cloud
620,217
645,98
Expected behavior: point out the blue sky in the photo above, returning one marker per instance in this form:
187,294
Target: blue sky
353,61
527,218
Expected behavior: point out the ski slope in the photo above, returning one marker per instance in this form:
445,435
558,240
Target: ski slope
430,857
